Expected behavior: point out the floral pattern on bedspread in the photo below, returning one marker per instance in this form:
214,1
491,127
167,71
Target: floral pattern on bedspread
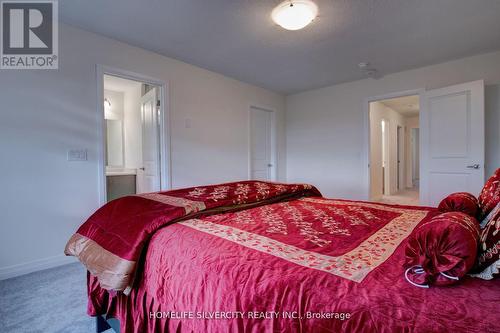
111,241
265,229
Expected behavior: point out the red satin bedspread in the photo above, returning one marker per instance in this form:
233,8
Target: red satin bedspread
304,258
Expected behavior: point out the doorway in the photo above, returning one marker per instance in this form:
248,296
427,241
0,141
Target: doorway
394,150
135,146
262,144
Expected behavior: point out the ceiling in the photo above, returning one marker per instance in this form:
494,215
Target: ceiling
407,106
237,38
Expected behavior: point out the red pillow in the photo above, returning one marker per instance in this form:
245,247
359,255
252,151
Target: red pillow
490,195
488,260
442,250
460,202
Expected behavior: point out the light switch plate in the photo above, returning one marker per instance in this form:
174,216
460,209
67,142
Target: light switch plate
77,155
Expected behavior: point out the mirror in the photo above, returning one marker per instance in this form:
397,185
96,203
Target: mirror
114,143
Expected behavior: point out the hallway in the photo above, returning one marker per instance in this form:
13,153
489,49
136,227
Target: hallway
406,197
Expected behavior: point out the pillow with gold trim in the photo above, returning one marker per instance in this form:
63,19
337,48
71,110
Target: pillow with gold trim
442,250
488,260
460,202
490,195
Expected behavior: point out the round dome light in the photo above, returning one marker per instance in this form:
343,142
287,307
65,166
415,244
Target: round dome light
294,14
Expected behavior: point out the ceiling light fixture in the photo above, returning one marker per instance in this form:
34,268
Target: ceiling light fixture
294,14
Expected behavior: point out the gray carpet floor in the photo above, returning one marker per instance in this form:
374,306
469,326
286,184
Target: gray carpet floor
53,300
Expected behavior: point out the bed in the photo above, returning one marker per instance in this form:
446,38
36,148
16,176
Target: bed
266,257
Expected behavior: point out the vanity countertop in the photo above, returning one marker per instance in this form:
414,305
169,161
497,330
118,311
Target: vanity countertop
121,172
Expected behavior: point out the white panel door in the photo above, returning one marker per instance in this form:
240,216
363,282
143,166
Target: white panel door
260,144
452,141
148,177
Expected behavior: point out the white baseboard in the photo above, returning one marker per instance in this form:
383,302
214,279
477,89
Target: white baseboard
33,266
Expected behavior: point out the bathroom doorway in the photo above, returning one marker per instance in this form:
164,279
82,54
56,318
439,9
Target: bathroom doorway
135,149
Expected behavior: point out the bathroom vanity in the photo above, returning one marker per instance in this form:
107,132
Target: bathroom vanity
120,183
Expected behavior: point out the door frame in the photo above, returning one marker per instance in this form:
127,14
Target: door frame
274,150
366,130
165,149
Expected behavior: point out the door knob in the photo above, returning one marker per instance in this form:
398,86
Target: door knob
142,169
269,165
473,166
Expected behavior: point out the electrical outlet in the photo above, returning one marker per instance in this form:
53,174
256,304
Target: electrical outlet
77,155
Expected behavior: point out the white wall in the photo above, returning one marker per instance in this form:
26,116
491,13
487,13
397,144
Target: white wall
133,128
492,128
116,99
379,112
326,133
114,115
411,123
44,198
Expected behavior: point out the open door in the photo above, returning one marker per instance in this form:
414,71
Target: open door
148,177
452,141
